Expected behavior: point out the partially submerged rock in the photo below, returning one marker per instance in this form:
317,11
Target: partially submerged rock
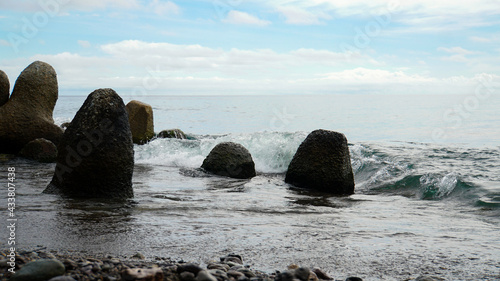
322,162
231,160
172,134
140,116
96,156
27,115
41,150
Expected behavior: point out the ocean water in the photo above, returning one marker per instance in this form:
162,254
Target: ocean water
427,197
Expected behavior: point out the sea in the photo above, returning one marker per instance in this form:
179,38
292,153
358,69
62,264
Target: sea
426,202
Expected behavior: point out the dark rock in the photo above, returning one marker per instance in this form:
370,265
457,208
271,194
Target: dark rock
230,159
223,267
232,258
40,270
140,116
62,278
189,267
302,273
4,88
172,134
321,274
65,125
96,153
41,150
354,279
235,274
27,115
70,264
322,163
187,276
285,276
142,274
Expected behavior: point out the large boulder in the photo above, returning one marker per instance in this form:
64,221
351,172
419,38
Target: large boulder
96,153
4,88
27,115
231,160
140,116
322,163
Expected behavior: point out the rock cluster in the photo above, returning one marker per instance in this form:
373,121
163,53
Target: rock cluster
96,153
39,265
27,114
322,162
231,160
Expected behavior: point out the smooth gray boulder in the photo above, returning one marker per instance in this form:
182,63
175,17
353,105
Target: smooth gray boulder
231,160
40,270
322,162
96,153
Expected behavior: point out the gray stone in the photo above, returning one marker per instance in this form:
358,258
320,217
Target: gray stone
41,150
189,267
322,162
205,276
143,274
27,115
187,276
140,116
429,278
4,88
96,153
231,160
40,270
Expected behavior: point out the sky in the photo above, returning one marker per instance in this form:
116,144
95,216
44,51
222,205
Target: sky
242,47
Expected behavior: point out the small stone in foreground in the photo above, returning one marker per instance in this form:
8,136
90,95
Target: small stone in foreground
142,274
40,270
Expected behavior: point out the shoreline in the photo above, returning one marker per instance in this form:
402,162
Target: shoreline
92,266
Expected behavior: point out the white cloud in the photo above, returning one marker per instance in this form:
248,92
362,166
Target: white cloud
299,16
480,39
163,8
4,42
84,44
458,54
58,6
237,17
171,68
457,50
362,75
